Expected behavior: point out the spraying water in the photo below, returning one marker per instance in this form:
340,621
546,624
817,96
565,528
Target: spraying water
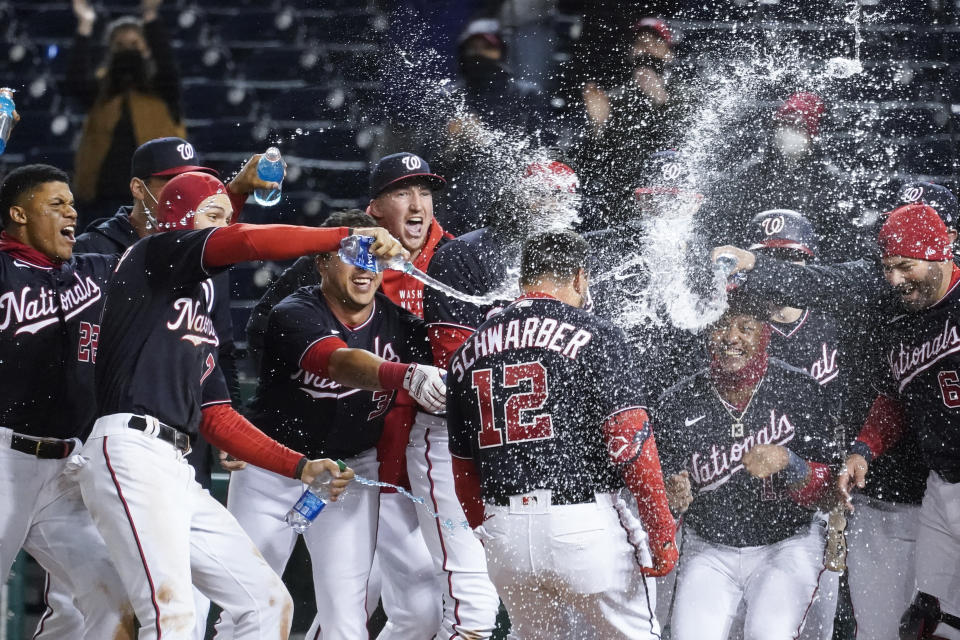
446,523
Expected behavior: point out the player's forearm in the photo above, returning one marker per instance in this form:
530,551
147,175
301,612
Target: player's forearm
245,242
227,430
848,286
882,429
808,482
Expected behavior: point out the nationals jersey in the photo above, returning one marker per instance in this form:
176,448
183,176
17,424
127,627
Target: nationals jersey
49,336
697,431
158,345
404,289
922,354
316,415
527,396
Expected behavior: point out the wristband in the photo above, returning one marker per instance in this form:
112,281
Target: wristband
391,374
300,467
797,469
862,448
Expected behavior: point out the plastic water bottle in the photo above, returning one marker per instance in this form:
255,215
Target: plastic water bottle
726,263
355,250
6,116
312,502
270,169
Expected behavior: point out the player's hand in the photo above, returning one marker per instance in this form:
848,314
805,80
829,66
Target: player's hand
665,556
745,259
764,460
341,479
854,472
86,16
679,492
247,181
597,104
385,246
229,463
426,386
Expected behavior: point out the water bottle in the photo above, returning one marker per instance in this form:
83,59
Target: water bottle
6,116
312,502
726,263
355,250
269,169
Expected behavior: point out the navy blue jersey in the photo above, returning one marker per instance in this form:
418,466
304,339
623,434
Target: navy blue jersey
812,344
527,396
697,432
49,338
158,345
477,263
315,415
922,354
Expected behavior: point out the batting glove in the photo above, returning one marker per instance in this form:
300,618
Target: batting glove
665,556
427,386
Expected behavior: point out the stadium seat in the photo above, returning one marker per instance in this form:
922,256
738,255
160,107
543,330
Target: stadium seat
46,21
218,100
311,104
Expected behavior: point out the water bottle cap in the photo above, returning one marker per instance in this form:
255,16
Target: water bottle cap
342,465
272,154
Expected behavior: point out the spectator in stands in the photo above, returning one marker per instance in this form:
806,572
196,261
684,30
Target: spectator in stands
132,97
627,123
792,171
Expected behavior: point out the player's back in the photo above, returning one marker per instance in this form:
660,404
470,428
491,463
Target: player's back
528,393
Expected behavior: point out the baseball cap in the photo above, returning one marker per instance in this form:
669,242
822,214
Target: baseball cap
400,166
802,109
782,229
551,176
486,28
664,173
934,195
657,26
181,197
915,231
165,157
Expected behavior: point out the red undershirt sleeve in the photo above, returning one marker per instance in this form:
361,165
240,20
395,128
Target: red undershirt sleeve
226,429
244,242
466,482
444,340
818,483
884,425
316,360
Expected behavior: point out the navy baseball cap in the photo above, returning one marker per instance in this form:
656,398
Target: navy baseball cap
664,173
401,166
782,229
937,196
166,157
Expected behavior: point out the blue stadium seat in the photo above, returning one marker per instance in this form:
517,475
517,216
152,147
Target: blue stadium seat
250,25
356,64
202,61
218,100
331,144
313,103
269,63
933,158
43,22
222,136
343,27
910,122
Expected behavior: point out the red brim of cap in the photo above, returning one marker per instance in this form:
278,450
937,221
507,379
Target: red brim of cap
435,181
175,171
781,243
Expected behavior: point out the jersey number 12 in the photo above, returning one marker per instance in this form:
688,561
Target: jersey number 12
536,427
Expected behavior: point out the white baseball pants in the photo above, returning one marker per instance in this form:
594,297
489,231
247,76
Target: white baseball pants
470,601
41,512
166,533
571,571
777,582
341,543
881,561
403,576
938,548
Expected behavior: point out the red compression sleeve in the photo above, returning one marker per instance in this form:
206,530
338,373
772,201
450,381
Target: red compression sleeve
226,429
317,358
466,482
391,374
244,242
444,340
884,425
818,483
631,445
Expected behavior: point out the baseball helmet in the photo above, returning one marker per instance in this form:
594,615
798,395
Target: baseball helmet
934,195
183,196
782,229
551,176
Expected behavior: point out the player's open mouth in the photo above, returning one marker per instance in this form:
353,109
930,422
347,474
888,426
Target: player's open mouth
414,227
733,353
362,283
68,233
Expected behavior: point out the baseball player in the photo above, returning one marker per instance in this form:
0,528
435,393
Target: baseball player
480,263
334,358
807,339
157,383
546,434
921,394
403,577
154,164
49,331
744,442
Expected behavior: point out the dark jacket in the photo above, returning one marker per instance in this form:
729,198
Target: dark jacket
108,235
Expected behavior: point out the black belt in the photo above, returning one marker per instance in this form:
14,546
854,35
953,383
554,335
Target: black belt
43,448
177,438
952,476
555,498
